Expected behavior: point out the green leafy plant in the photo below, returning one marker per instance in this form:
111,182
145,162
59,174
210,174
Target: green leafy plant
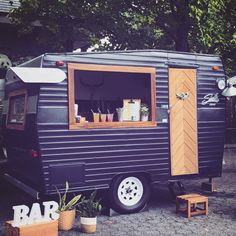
63,206
89,207
144,110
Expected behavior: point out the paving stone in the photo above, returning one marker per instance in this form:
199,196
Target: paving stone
161,218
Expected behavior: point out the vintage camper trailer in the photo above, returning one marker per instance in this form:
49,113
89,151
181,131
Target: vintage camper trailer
61,122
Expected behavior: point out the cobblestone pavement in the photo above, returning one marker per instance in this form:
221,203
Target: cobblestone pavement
160,218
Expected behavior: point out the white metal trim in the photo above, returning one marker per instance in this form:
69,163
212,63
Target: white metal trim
35,75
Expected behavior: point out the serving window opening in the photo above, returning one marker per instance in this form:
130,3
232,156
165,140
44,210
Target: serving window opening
102,96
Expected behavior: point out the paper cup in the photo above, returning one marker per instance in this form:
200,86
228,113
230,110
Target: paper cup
96,117
110,117
103,117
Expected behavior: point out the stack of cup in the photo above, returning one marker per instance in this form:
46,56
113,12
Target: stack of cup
120,113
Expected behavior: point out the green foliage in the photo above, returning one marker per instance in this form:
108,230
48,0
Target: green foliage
205,26
144,110
63,205
215,23
210,22
89,207
56,24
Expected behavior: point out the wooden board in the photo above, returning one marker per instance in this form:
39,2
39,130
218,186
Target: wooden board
129,113
183,122
114,124
39,229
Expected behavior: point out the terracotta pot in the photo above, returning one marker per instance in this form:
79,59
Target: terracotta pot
88,225
66,220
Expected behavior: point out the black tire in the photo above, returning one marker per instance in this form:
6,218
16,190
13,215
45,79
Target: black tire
129,193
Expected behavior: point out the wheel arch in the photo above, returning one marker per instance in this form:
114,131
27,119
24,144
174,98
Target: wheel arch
143,173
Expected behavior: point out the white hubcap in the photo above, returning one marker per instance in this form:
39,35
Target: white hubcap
130,191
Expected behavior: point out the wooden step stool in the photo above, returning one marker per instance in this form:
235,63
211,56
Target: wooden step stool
192,201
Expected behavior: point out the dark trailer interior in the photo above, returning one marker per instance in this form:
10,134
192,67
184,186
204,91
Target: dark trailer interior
63,122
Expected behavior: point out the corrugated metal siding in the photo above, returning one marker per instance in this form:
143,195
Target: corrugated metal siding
211,120
109,151
6,6
19,142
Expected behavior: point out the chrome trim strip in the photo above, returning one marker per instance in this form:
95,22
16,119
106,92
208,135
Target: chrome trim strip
22,186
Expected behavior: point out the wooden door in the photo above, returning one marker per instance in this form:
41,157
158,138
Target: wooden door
183,121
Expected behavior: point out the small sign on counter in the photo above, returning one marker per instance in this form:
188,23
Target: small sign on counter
131,109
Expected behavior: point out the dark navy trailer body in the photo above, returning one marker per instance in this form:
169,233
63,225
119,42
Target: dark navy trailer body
43,151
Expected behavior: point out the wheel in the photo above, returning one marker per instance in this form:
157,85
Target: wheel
129,193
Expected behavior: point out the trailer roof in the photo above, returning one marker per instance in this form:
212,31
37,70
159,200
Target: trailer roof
150,53
131,51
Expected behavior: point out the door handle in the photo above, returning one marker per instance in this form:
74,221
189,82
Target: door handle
182,96
168,111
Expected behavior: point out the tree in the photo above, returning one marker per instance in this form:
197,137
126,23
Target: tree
57,23
174,19
148,24
215,30
206,26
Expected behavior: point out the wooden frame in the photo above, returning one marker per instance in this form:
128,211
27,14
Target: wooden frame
183,122
110,68
20,126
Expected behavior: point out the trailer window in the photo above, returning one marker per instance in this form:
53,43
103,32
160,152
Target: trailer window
104,96
17,109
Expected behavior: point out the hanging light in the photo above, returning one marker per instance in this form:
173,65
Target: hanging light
230,90
220,83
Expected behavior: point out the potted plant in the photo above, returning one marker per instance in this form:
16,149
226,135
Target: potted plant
88,210
66,209
144,111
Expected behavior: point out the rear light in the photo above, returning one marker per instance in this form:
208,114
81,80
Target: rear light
215,68
34,153
60,63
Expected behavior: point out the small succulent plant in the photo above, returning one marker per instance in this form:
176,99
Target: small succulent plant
144,110
89,207
63,205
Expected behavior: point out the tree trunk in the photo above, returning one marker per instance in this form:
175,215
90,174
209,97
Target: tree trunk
181,41
68,30
69,45
181,13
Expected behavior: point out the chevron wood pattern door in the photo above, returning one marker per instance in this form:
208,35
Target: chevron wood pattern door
183,121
